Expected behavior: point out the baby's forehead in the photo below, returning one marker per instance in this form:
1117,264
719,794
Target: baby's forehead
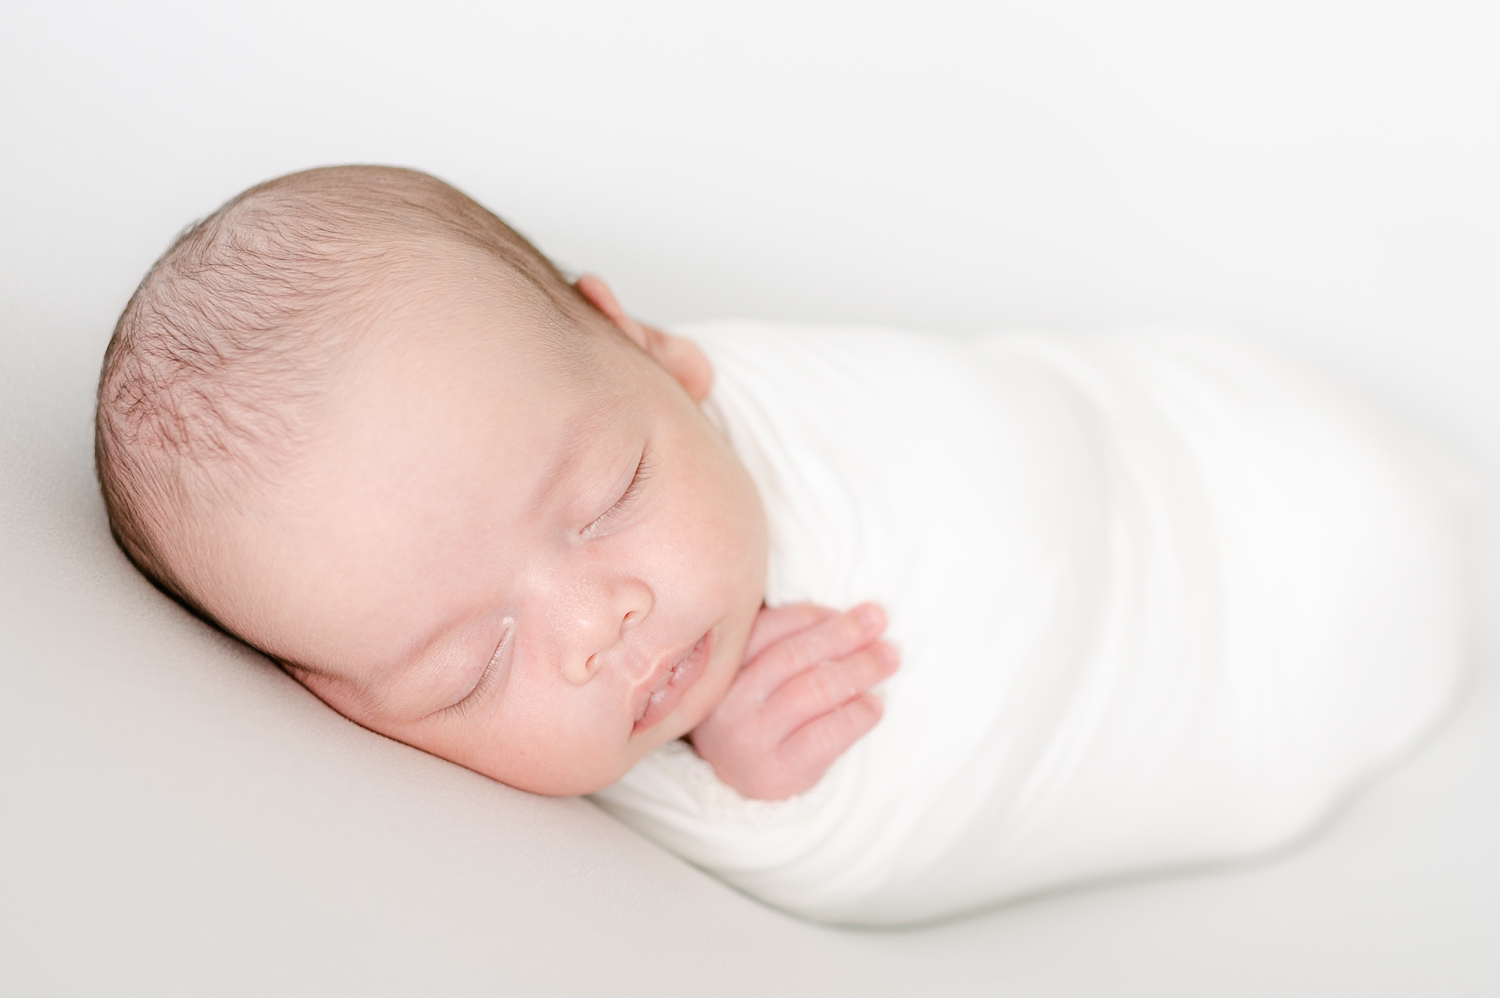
450,371
452,304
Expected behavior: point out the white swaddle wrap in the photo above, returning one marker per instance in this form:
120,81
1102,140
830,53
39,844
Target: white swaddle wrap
1160,599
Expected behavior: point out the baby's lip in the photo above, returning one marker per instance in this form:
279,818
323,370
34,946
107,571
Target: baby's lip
658,697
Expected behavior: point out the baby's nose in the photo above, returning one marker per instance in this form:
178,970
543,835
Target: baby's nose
604,616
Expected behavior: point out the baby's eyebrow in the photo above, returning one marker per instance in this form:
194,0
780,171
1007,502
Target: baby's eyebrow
567,454
563,462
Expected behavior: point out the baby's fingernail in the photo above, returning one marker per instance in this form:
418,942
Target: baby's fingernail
886,654
869,616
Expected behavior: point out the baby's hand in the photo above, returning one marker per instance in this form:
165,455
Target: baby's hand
799,701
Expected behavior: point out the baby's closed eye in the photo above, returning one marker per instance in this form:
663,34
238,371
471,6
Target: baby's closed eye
496,671
627,500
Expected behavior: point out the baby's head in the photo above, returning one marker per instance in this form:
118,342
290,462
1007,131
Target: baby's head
355,420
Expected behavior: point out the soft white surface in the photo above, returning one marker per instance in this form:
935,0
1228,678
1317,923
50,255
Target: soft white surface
177,818
1162,599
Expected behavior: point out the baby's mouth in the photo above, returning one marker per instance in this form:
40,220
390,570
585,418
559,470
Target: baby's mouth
674,683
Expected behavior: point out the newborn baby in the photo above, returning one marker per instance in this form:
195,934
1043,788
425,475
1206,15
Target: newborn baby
357,422
1160,599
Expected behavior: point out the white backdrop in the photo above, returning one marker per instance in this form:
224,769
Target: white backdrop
1316,172
176,817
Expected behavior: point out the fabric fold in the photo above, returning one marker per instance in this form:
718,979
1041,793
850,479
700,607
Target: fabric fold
1162,599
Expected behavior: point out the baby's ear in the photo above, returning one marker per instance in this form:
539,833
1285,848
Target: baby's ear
681,358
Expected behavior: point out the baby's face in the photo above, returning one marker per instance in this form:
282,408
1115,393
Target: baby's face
536,568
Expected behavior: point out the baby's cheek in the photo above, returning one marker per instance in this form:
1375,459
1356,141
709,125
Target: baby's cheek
529,741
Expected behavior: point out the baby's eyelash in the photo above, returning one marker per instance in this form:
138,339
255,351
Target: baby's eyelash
494,672
642,472
632,493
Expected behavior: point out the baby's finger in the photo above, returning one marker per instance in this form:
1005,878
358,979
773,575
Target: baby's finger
812,748
775,623
834,638
820,689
